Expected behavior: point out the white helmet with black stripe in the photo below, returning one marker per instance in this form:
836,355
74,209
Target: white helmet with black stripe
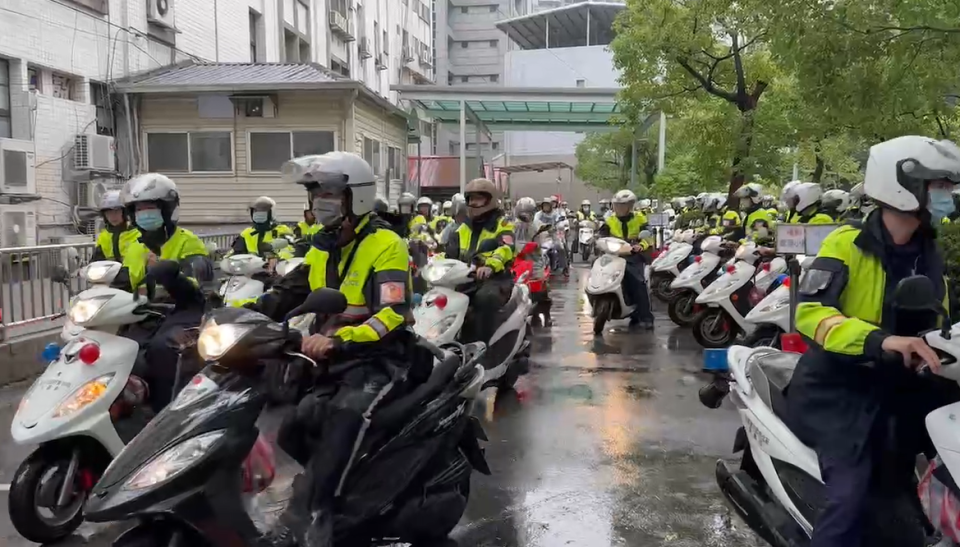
899,170
334,177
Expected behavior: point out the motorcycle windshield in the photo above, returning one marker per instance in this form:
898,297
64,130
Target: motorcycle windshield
213,400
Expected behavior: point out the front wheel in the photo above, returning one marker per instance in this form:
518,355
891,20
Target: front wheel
682,308
764,336
714,329
602,313
35,510
660,286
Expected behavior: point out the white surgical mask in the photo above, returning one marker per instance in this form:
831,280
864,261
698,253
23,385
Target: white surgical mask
327,211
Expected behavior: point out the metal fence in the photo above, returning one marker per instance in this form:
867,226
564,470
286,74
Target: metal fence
31,302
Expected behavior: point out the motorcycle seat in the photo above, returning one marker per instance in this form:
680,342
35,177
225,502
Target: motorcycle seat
770,375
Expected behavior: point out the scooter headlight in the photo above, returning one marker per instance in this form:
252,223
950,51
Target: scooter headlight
84,310
434,272
88,393
776,305
216,340
101,272
440,327
173,461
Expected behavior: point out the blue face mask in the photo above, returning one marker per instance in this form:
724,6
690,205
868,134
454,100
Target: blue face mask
261,217
940,204
149,219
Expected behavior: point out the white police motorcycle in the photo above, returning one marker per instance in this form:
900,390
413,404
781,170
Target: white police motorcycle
247,275
83,409
687,286
604,287
668,266
585,237
772,314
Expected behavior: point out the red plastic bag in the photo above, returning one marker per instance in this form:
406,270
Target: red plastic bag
940,505
260,467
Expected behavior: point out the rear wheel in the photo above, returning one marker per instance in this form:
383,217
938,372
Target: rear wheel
764,336
714,329
602,312
682,308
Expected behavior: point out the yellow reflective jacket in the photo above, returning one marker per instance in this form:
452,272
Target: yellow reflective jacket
628,231
842,295
306,230
373,273
182,245
109,244
250,239
465,242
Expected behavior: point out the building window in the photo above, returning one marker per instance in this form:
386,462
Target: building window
464,44
371,153
34,76
296,33
494,43
464,9
464,79
339,68
581,83
393,162
269,150
494,78
100,98
62,87
495,145
493,8
6,129
255,50
190,152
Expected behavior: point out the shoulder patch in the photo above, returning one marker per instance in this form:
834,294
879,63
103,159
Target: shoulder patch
813,281
392,292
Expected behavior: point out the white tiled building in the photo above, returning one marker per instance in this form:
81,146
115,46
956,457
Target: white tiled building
59,58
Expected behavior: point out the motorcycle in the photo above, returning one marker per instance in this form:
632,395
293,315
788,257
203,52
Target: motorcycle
687,286
728,299
83,409
530,268
444,309
668,265
585,237
604,287
772,314
250,275
408,480
778,489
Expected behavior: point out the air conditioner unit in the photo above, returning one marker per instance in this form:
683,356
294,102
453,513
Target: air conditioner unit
93,153
381,61
340,25
426,58
160,12
407,54
18,225
17,167
364,48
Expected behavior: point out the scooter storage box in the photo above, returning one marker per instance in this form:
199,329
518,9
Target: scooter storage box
715,360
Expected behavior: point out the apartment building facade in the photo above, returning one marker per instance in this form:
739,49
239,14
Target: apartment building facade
65,132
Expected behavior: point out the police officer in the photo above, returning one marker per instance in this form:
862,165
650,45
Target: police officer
173,257
308,226
117,234
424,214
458,215
805,200
627,224
524,211
440,221
264,230
358,254
604,208
843,401
758,222
485,226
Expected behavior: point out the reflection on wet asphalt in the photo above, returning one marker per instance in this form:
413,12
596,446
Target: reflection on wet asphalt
603,444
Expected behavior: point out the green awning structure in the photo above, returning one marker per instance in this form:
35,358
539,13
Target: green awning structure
518,109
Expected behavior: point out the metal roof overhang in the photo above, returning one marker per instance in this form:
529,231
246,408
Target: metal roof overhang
520,108
567,26
534,167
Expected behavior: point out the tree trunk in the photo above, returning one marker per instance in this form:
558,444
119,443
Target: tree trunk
744,143
818,170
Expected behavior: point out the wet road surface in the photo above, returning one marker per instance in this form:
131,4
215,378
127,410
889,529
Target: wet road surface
603,444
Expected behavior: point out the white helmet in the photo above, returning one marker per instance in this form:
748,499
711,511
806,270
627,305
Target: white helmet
153,188
424,200
700,200
111,200
459,204
525,208
334,172
805,195
752,192
898,170
407,203
835,200
645,203
585,203
717,201
787,191
625,196
447,207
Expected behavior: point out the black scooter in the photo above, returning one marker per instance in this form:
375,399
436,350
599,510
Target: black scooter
409,481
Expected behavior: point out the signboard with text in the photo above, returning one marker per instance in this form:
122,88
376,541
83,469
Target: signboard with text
802,239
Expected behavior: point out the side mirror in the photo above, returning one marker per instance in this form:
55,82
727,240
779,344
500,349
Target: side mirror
323,301
60,274
279,243
487,246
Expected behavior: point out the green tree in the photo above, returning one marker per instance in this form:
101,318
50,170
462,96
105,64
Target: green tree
604,160
875,69
677,56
